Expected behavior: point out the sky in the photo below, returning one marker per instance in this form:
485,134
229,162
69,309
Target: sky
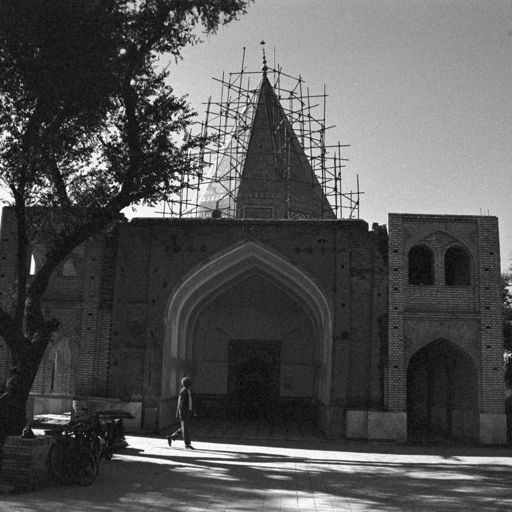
421,90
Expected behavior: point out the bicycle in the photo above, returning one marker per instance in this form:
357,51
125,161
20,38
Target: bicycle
71,459
97,433
91,435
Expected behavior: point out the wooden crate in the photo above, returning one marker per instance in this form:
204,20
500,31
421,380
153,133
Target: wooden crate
25,462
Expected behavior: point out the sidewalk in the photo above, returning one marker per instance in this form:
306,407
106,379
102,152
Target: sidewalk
280,475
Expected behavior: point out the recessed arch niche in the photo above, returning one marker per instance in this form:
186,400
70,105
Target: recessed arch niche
255,319
206,283
442,391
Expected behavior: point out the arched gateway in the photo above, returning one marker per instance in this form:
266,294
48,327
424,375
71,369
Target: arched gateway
249,314
442,391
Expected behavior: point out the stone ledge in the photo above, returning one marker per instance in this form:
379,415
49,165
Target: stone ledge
493,429
376,425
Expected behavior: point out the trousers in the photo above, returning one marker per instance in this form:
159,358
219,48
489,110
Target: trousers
184,431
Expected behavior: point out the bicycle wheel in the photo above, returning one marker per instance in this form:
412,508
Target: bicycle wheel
108,452
96,445
59,462
83,466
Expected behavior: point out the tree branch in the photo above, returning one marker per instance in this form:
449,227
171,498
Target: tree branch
21,259
60,186
10,331
129,96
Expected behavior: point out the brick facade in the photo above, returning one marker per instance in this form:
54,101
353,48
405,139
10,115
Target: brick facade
467,316
339,303
342,258
76,362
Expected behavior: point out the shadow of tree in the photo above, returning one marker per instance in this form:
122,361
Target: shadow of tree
285,478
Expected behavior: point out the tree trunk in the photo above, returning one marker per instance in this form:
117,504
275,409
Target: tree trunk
13,402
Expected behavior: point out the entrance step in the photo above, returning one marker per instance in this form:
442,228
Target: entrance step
255,430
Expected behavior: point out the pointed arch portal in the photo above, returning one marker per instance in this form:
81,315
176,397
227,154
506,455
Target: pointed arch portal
442,391
207,282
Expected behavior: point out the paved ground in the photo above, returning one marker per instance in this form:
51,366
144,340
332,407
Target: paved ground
284,471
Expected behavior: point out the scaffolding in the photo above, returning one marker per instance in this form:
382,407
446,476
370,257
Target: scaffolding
229,120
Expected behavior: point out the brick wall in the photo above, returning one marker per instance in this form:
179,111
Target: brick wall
76,298
491,334
395,371
113,310
468,316
342,257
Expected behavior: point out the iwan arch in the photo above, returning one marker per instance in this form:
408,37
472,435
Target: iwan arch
239,269
210,307
375,332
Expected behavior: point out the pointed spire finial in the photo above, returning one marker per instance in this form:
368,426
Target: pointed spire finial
264,68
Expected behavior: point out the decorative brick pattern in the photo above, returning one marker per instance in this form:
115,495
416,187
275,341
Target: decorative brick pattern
114,308
78,361
395,371
492,387
447,312
86,376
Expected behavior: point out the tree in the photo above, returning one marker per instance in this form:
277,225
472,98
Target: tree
506,302
88,126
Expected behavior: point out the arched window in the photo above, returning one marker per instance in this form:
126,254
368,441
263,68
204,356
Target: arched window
421,265
54,373
59,375
457,267
33,265
68,267
37,258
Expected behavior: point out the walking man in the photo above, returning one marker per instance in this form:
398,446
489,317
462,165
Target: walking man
184,414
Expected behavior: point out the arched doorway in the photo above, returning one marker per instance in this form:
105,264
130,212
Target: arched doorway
256,350
442,392
254,378
211,308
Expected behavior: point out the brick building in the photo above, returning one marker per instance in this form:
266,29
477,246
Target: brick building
281,309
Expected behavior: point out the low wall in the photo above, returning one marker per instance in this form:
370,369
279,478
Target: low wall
112,404
48,404
493,429
376,425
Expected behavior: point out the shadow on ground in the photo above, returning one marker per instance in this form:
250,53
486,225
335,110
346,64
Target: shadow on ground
150,476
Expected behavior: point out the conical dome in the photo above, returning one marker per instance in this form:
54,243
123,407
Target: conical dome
273,177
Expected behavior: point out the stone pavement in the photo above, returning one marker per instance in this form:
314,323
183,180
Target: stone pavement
283,471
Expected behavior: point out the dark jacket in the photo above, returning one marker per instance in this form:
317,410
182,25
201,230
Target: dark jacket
184,410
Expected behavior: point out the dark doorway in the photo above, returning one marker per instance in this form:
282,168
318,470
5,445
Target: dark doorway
254,378
442,397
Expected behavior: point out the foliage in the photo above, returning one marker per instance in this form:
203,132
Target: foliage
87,119
506,279
89,125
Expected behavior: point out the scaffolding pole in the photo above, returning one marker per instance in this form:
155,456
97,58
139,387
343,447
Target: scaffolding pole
229,121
